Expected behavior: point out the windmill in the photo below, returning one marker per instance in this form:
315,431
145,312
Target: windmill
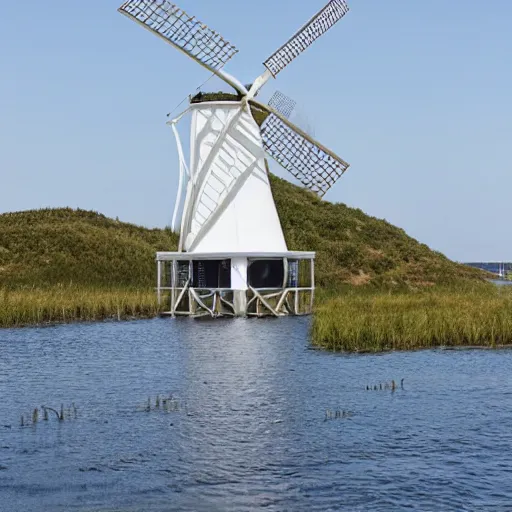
232,257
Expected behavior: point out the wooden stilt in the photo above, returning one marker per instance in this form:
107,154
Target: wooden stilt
312,284
173,287
159,282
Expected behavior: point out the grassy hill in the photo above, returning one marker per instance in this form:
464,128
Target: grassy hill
65,246
42,248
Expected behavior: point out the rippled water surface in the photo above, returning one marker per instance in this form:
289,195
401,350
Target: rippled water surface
250,429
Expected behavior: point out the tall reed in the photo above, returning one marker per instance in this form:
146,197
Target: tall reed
381,321
70,304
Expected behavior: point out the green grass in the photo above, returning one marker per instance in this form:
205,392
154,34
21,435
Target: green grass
51,247
64,265
375,321
202,97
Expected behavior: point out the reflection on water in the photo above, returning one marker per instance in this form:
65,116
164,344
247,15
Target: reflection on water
251,428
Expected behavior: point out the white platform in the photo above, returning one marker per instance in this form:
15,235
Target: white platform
285,297
187,256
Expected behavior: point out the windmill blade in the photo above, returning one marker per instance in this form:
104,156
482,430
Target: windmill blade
184,32
315,166
289,109
282,104
307,35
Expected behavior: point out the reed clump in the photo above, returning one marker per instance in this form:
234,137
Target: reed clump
392,386
339,414
381,321
71,304
67,413
167,403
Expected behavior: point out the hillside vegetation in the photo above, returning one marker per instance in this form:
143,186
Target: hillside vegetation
42,248
47,247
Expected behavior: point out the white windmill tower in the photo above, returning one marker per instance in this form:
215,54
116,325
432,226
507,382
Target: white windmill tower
233,258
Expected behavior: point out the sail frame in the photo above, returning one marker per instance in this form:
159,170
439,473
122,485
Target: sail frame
324,20
192,37
282,104
315,166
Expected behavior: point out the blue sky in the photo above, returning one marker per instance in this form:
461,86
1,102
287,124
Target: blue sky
415,95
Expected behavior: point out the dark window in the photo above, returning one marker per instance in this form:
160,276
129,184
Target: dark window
211,274
266,274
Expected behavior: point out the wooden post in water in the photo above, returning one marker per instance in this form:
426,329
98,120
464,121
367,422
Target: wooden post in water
173,287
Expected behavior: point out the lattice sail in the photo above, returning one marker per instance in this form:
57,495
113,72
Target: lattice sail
314,166
306,36
282,104
185,32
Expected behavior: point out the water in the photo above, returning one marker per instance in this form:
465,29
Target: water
501,282
251,429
